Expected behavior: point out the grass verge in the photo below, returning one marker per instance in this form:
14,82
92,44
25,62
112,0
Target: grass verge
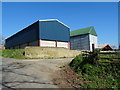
14,53
106,74
20,54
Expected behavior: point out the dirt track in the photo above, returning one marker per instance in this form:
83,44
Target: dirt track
33,73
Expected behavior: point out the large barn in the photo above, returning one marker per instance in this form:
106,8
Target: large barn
43,33
84,39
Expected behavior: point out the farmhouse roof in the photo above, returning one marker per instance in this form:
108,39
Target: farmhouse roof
88,30
105,47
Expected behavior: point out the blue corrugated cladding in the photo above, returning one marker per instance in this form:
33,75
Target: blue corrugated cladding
26,35
54,30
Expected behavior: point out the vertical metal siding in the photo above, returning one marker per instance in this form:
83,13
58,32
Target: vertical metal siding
93,40
80,42
26,35
53,30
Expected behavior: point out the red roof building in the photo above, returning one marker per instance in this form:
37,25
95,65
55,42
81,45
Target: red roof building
2,48
105,47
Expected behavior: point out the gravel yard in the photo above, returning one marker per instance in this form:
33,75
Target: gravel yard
37,73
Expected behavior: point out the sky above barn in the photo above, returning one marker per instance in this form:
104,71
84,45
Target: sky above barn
102,15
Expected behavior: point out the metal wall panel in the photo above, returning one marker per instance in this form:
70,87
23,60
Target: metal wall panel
46,43
62,44
22,46
54,30
26,35
93,40
16,47
80,42
33,43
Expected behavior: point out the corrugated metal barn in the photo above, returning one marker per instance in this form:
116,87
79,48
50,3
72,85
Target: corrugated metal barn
44,33
83,39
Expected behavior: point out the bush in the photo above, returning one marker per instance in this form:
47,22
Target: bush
76,63
95,72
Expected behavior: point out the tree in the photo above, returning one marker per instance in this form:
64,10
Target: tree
2,41
119,46
114,47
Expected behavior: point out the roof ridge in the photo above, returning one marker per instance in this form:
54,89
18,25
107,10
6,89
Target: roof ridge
55,20
87,30
81,29
90,29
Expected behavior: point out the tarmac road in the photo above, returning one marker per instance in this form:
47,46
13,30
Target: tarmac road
34,73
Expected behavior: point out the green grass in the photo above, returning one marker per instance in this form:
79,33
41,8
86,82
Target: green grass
13,53
109,55
19,54
105,75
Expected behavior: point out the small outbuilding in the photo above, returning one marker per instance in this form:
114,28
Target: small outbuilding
84,39
105,47
2,47
43,33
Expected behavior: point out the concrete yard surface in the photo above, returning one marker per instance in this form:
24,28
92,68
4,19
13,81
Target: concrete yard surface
37,73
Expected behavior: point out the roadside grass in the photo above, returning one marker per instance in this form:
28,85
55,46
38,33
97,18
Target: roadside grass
20,54
103,74
14,53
